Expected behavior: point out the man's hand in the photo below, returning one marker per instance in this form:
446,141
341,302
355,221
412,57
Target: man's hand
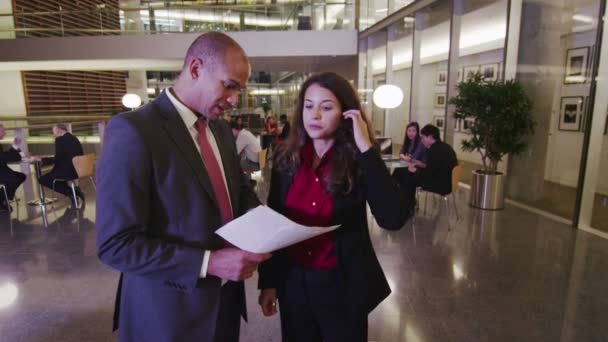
412,168
268,301
234,264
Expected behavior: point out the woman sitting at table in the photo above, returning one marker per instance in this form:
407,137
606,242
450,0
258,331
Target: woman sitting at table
324,174
413,150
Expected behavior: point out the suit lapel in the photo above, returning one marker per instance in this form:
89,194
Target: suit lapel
177,130
225,153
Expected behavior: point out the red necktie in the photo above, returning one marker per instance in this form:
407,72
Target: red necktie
214,171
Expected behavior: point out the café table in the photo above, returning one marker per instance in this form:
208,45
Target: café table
42,199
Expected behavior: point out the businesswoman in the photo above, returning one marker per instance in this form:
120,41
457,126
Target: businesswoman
413,150
323,175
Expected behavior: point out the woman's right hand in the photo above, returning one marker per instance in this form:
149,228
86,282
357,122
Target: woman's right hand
268,301
405,157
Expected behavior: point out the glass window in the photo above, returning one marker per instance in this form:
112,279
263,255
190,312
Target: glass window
556,48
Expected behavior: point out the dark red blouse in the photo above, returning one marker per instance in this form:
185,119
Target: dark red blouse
308,203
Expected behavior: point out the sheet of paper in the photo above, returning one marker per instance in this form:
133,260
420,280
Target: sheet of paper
263,230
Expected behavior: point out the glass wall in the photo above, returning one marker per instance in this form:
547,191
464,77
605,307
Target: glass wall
552,50
480,42
557,47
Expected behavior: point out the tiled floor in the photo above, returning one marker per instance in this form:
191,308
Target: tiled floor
494,276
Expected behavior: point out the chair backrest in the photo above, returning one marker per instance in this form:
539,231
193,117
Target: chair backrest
262,158
456,173
84,165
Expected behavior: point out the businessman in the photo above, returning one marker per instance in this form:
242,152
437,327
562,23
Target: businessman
168,178
11,179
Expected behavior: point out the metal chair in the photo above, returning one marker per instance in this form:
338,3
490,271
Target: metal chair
456,173
6,200
85,167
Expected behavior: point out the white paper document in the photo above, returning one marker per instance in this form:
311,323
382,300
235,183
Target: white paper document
263,230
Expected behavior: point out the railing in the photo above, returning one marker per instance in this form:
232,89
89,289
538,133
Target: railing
149,19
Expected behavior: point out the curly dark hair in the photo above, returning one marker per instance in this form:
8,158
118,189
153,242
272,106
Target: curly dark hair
344,169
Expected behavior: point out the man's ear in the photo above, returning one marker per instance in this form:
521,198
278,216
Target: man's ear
195,68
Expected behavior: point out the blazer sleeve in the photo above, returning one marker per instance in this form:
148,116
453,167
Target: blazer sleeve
10,155
124,239
386,199
269,272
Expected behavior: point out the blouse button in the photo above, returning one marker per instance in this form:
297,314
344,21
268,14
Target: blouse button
309,253
314,204
317,180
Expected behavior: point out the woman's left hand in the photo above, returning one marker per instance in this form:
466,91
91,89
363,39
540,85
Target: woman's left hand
360,130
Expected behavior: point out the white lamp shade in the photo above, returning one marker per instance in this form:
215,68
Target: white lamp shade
388,96
131,100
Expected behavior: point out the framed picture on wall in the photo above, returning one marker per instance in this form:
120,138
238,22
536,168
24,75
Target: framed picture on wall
442,77
490,71
439,121
571,113
576,65
440,100
470,71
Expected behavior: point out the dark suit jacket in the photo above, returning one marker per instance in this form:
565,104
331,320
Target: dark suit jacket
156,214
67,147
8,156
437,176
364,283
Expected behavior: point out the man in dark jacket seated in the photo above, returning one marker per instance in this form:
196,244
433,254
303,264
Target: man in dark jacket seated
437,175
67,147
11,179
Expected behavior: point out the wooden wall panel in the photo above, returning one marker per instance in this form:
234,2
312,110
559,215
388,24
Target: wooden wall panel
52,18
73,92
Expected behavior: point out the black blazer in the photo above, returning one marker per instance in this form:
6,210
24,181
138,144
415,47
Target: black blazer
8,156
67,147
363,280
437,175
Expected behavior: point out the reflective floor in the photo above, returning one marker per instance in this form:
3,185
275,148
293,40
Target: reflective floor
494,276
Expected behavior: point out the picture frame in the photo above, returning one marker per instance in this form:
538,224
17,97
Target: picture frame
439,121
470,71
442,77
576,65
440,100
571,113
490,71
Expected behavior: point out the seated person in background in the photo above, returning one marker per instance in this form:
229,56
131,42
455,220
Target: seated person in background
247,147
437,175
413,150
11,179
67,147
272,128
285,127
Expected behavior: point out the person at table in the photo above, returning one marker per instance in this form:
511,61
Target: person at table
247,147
284,127
271,127
67,146
324,174
11,179
413,149
437,175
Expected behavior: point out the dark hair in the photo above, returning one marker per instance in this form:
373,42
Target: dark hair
283,116
430,130
344,169
62,127
406,141
235,125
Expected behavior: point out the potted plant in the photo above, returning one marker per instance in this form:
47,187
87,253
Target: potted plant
499,118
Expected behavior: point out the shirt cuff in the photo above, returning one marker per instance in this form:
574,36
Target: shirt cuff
203,273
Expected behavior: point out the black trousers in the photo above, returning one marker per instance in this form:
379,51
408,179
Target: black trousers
228,325
60,187
313,308
408,182
11,180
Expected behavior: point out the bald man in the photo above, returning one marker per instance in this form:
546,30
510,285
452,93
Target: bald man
168,177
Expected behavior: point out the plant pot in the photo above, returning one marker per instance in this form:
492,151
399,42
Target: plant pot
487,191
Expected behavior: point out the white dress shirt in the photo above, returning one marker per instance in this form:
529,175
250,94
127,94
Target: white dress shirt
247,142
190,121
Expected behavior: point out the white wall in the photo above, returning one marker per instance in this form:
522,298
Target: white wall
6,23
12,100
